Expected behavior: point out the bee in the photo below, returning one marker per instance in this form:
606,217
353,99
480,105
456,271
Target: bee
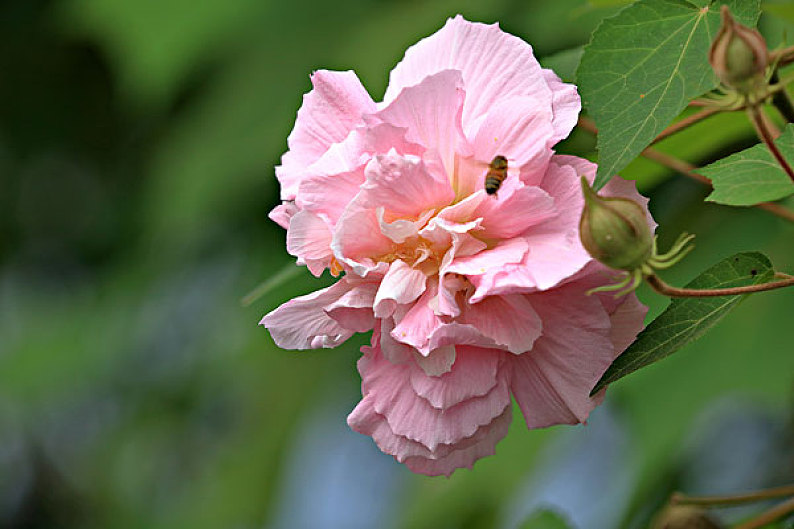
497,172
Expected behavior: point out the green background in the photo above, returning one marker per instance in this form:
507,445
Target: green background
137,146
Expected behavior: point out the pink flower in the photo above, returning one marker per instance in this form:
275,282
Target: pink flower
472,298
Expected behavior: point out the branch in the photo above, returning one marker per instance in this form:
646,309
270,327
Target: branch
767,137
733,499
686,122
674,292
782,56
778,511
688,170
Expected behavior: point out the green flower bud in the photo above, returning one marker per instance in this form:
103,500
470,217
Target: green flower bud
614,231
738,55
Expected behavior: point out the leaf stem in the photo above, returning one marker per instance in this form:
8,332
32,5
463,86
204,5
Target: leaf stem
688,170
766,136
733,499
775,513
674,292
782,56
686,122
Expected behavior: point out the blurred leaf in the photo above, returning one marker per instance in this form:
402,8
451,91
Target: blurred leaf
686,319
752,175
564,63
643,66
155,44
784,11
608,3
545,519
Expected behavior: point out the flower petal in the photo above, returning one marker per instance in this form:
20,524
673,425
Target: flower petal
465,453
552,383
438,362
282,213
327,196
446,458
403,186
358,238
472,375
518,128
353,310
493,65
309,238
525,207
565,103
302,323
510,320
409,415
401,284
329,112
430,111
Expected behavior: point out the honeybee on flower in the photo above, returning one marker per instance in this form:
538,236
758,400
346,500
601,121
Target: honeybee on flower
497,172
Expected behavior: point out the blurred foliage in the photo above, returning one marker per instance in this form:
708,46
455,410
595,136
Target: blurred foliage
137,145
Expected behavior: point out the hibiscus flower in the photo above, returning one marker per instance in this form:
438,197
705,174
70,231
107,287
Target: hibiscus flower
471,297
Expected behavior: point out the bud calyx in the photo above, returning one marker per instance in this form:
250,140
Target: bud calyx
614,230
738,55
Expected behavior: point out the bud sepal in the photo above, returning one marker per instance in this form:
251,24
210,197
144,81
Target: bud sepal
615,232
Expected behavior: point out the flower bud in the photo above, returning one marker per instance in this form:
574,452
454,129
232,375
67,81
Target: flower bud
614,231
738,55
684,517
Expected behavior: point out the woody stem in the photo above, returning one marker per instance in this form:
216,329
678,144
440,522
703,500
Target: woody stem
733,499
688,170
775,513
766,136
674,292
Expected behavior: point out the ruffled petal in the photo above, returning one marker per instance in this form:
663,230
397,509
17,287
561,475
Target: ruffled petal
310,239
566,105
388,387
510,320
446,458
327,196
302,323
282,213
329,112
438,362
518,128
401,284
525,207
474,374
353,310
430,113
551,384
358,238
403,186
465,453
493,64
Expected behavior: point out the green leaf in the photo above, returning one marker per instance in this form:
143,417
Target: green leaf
784,11
752,175
564,63
545,519
643,66
687,319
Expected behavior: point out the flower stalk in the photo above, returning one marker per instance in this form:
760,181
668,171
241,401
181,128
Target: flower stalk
674,292
766,136
733,499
